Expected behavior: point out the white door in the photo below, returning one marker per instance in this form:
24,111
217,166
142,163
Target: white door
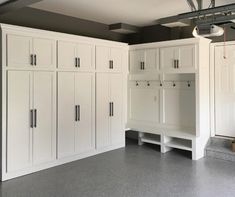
44,128
151,59
144,105
102,110
167,58
66,55
85,56
179,107
66,114
225,91
19,51
84,94
116,97
136,57
186,57
45,51
116,58
19,131
102,58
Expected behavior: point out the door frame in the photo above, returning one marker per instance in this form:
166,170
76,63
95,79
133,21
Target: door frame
212,83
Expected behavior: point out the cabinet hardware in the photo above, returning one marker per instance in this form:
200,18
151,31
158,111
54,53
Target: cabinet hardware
35,60
189,84
160,83
137,84
35,118
148,84
78,62
110,64
110,109
31,59
143,65
31,118
78,112
174,84
177,63
174,63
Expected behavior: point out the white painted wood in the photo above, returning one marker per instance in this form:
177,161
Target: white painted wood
45,51
151,60
224,90
44,132
85,53
19,49
66,114
19,133
102,58
84,133
66,54
136,57
116,96
116,57
167,57
102,110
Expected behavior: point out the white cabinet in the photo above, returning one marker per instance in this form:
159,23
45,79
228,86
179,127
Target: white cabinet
25,52
75,98
144,105
30,125
109,102
146,60
108,59
76,56
180,58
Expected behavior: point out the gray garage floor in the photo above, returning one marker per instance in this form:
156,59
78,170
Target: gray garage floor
132,171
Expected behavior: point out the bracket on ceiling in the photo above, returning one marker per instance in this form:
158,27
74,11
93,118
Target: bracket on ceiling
123,28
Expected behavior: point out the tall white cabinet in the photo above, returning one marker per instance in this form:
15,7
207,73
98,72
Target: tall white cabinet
55,106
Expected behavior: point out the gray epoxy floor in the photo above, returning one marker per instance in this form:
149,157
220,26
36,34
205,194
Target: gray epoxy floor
129,172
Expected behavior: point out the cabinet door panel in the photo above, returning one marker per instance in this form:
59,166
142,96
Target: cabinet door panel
66,54
144,105
179,107
151,59
44,132
102,110
116,96
116,57
44,49
186,56
136,57
167,57
66,114
19,49
102,58
84,52
18,120
84,98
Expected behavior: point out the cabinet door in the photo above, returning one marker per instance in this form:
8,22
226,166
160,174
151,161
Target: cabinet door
167,57
144,105
102,58
44,131
84,136
186,57
151,59
84,53
116,57
45,51
66,55
116,97
136,57
19,49
179,107
19,132
66,114
102,110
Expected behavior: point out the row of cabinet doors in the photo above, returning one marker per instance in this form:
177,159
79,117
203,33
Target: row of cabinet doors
30,52
32,137
166,59
169,106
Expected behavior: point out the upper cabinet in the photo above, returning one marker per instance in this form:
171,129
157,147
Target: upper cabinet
30,52
144,60
178,59
75,56
108,59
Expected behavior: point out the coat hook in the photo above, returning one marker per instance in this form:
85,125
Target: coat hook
174,84
148,84
189,84
160,83
137,84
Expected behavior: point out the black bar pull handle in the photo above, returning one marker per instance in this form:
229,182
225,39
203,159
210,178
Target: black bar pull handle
35,60
112,64
31,118
31,59
178,63
76,113
78,62
35,118
112,109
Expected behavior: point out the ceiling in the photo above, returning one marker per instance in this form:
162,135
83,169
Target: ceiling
134,12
